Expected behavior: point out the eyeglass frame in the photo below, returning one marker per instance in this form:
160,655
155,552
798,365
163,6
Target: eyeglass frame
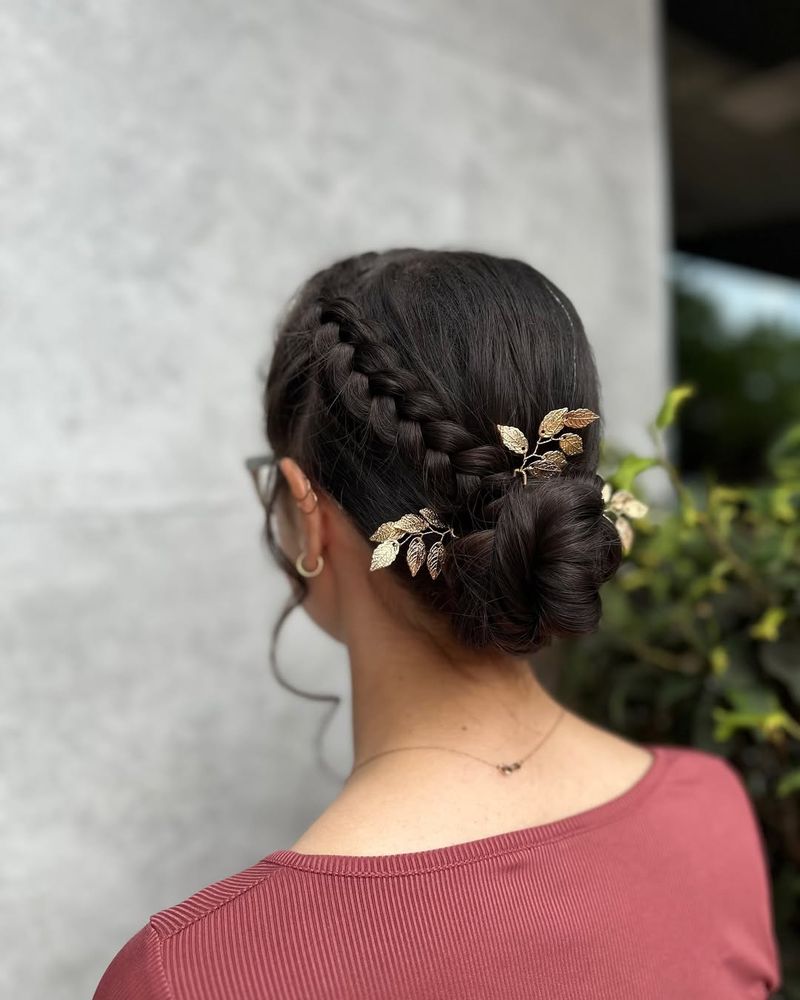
254,465
269,460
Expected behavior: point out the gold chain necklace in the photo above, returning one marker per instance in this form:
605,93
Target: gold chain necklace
502,768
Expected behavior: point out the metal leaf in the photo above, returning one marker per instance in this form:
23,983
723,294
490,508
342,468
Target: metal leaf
435,558
384,554
386,531
571,444
625,532
626,503
432,518
415,554
411,522
543,469
580,417
555,458
552,422
513,438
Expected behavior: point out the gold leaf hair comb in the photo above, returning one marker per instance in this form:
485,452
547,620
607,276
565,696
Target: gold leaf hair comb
391,534
621,504
549,463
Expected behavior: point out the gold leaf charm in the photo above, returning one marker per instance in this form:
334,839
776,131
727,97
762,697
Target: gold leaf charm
386,531
571,444
555,458
625,532
580,417
411,522
435,559
513,438
385,553
552,422
624,502
415,554
543,469
623,505
433,519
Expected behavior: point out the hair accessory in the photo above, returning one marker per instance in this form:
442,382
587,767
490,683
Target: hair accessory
621,504
391,534
550,463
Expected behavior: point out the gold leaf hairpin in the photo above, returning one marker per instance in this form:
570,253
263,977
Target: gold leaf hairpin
621,504
549,463
391,535
624,506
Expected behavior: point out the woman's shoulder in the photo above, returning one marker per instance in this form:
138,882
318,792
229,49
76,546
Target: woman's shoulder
703,781
216,897
143,968
706,799
694,767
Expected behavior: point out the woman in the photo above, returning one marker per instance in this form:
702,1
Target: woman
487,842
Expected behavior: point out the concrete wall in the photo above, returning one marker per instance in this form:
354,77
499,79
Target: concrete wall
170,170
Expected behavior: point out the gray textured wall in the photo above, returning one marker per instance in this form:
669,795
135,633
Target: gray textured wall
170,169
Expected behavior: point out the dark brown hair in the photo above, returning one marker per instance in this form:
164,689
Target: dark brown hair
389,375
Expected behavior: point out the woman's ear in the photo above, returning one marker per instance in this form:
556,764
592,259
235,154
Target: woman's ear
307,504
299,485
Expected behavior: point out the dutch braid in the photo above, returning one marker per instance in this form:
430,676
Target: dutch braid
364,376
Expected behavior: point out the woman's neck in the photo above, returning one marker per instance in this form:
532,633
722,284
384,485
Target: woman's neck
410,689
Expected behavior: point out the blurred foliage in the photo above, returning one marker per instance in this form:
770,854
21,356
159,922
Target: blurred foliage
750,383
700,640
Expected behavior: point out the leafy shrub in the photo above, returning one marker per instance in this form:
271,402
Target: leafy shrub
700,641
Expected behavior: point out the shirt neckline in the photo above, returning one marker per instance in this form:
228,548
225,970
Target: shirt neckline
415,862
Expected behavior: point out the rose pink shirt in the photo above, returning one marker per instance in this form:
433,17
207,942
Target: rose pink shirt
659,894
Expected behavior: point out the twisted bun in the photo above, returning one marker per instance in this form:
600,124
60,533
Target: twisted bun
537,573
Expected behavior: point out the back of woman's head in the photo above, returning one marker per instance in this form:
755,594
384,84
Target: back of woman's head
390,374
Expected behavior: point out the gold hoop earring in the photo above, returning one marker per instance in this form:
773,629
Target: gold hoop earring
308,572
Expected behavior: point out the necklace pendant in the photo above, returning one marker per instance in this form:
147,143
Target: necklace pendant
508,768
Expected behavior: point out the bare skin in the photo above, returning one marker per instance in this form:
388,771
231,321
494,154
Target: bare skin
413,685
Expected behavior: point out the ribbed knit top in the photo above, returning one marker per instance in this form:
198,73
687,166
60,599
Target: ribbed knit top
660,893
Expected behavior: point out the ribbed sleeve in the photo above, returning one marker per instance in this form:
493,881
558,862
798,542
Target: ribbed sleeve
659,894
136,971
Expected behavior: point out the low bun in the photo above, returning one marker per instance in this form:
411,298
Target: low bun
536,574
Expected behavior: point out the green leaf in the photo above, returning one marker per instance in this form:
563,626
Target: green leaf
719,660
768,625
672,402
629,468
755,702
782,502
